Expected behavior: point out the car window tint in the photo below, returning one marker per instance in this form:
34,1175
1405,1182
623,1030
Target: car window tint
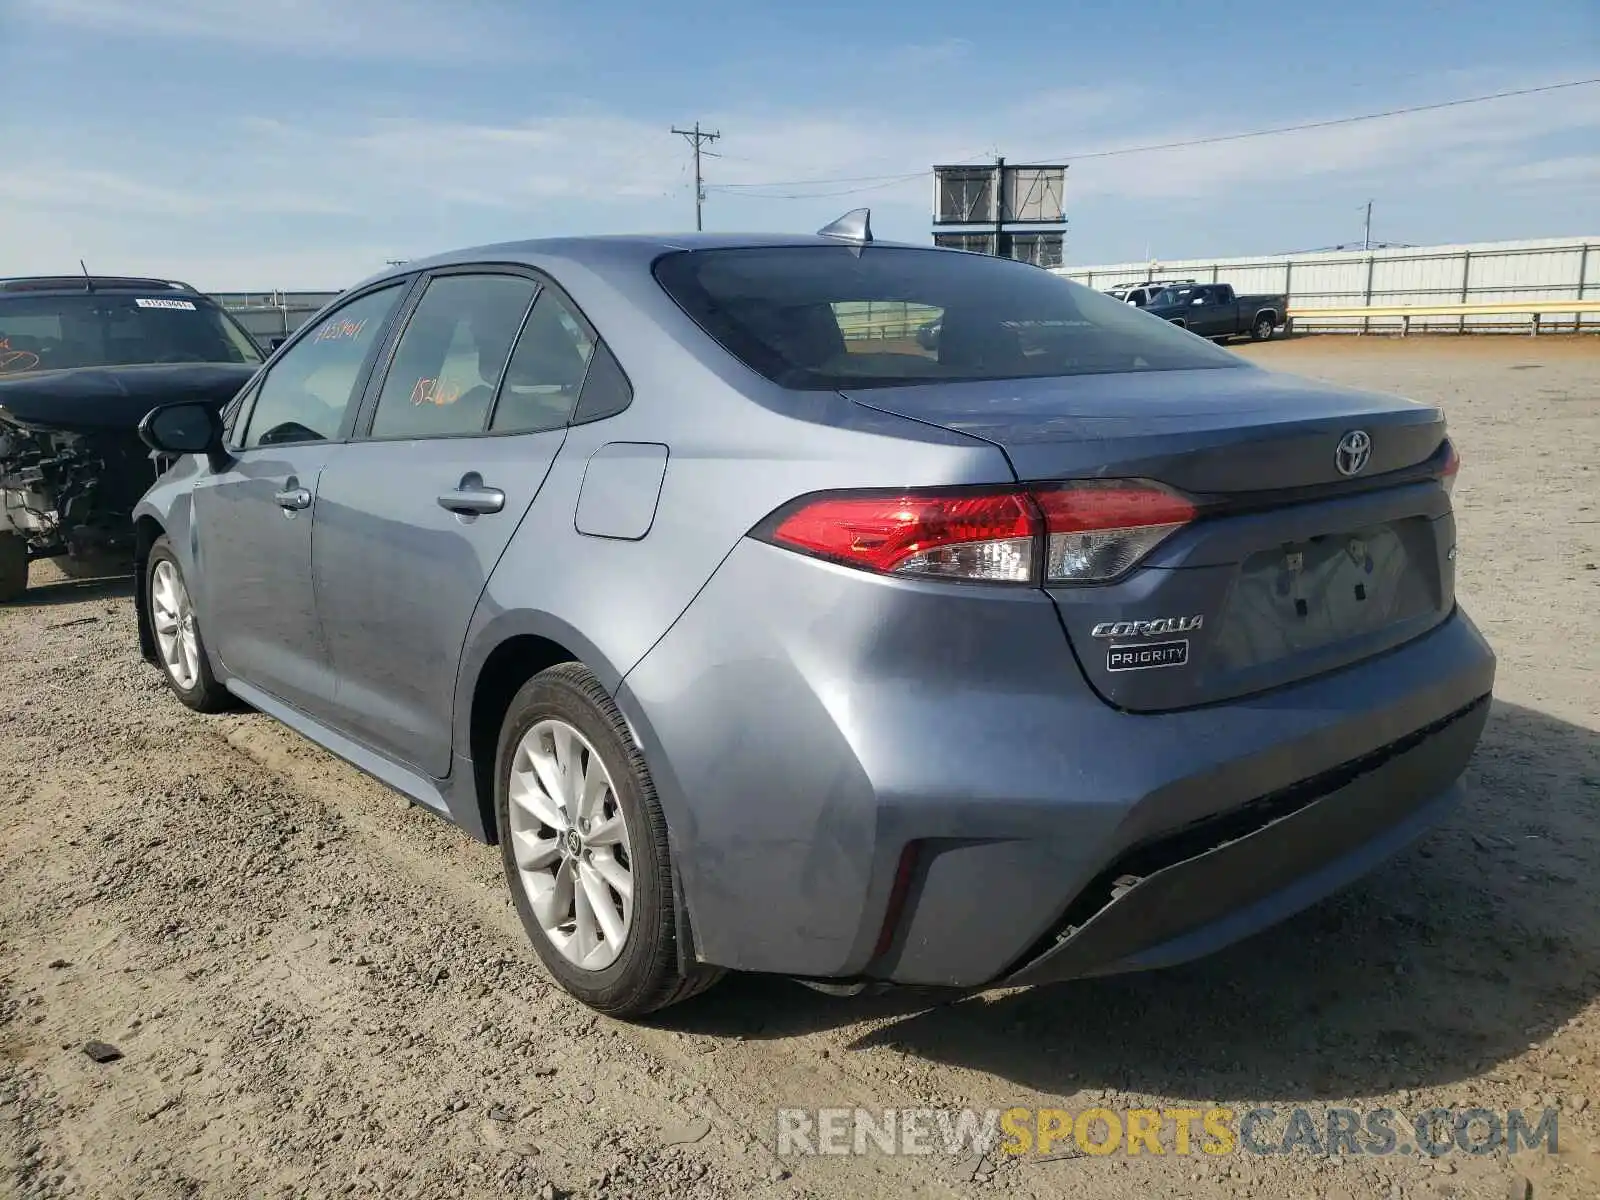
873,328
306,393
778,309
606,390
546,371
451,355
234,410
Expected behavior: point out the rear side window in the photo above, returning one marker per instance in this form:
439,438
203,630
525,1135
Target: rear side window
799,316
306,393
546,370
606,390
444,372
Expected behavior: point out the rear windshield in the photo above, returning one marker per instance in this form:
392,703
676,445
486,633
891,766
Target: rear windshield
99,329
823,317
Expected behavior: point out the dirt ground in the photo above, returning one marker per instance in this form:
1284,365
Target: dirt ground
318,990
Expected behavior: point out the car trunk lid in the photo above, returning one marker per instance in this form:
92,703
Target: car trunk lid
1293,567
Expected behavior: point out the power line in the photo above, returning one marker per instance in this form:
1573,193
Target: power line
725,187
697,139
877,183
722,187
1391,112
891,180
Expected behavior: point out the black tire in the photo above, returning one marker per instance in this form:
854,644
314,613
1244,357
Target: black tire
1261,331
93,567
13,567
646,975
205,695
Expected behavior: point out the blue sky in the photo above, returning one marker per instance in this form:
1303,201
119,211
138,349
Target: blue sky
300,143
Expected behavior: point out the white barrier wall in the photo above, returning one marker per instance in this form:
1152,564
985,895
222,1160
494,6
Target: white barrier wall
1478,273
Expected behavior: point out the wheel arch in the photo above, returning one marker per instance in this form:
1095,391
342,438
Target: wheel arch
508,666
506,654
510,650
146,529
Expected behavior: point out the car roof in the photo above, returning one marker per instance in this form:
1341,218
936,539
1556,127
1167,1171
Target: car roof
80,284
612,250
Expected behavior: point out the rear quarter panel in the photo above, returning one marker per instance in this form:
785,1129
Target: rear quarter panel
1249,306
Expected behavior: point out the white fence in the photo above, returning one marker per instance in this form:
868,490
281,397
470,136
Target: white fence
272,314
1423,276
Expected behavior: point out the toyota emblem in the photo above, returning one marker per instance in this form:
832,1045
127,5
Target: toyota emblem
1354,449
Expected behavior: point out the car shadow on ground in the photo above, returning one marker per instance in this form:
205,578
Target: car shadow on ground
71,591
1477,941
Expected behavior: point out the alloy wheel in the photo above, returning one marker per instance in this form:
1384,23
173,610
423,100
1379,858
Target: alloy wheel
173,617
571,845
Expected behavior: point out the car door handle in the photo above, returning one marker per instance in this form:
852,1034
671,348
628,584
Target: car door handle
473,500
293,499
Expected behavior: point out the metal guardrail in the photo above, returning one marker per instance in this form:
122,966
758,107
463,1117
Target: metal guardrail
1534,310
881,319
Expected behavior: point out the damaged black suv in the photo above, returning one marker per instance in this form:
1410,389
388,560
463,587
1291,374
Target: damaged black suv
82,360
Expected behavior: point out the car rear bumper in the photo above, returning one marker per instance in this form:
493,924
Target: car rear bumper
807,723
1197,890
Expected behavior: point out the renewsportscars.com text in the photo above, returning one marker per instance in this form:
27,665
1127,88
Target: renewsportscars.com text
1175,1131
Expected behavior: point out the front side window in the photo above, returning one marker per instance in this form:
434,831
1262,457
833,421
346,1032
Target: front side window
790,313
451,356
232,411
307,392
546,370
116,329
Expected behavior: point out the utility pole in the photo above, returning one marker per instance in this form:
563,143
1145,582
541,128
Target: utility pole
1002,243
1366,235
697,139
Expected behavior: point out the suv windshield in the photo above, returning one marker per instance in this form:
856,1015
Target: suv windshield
102,329
824,317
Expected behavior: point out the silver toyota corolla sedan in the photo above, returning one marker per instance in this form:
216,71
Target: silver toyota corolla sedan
762,634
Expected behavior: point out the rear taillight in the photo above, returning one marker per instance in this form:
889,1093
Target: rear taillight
984,536
1099,529
1082,532
1451,468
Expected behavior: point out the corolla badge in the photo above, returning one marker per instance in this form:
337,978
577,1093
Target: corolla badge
1353,451
1161,625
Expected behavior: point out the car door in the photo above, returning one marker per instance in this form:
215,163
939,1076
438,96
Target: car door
1202,311
414,513
253,520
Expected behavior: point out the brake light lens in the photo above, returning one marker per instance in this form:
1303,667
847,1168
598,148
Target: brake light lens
1098,529
1082,532
987,536
1451,468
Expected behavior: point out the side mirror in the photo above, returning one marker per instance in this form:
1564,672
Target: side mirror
185,428
275,341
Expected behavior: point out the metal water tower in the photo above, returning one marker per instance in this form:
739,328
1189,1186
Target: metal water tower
1010,211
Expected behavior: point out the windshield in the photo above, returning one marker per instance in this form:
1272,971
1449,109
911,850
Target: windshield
99,329
824,317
